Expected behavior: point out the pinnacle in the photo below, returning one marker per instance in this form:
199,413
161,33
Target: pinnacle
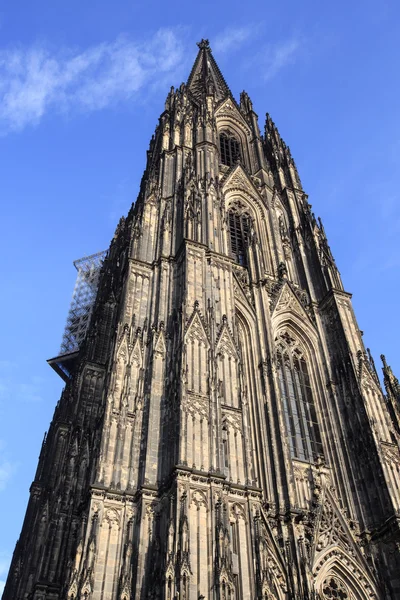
205,76
204,44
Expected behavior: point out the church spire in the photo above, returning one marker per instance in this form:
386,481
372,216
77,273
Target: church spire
206,77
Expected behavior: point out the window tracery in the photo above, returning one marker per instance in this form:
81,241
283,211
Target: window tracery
333,588
239,231
298,403
229,149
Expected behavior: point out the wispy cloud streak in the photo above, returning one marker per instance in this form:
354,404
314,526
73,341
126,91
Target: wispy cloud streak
278,56
6,470
37,81
232,38
34,81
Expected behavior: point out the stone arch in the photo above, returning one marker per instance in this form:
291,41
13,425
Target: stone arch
335,563
240,191
238,511
227,589
226,118
271,592
199,498
227,356
251,384
196,353
169,579
295,318
307,336
229,119
73,590
310,426
246,318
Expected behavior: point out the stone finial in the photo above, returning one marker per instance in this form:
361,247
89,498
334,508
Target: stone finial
204,44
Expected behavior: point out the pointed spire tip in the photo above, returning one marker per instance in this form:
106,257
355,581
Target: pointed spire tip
204,44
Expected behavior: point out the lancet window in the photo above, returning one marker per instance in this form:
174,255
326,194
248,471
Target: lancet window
239,230
298,403
229,149
225,451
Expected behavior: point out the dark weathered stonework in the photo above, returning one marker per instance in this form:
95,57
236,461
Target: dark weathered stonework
170,470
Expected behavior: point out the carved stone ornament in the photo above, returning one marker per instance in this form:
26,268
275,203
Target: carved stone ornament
333,588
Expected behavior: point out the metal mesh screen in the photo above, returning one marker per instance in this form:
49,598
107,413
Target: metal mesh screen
82,302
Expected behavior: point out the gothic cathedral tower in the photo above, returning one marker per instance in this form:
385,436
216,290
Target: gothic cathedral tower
222,433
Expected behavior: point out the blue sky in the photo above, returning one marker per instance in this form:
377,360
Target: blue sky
81,87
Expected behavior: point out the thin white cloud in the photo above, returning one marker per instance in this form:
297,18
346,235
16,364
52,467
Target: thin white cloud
35,81
6,470
4,566
280,55
232,38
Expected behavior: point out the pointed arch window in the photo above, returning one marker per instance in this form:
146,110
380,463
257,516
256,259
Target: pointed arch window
229,148
298,403
239,231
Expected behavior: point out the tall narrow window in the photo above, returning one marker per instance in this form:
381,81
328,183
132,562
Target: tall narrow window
229,148
239,230
298,404
225,451
234,537
235,545
169,594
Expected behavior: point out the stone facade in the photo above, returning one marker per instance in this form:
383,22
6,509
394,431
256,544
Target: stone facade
224,434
